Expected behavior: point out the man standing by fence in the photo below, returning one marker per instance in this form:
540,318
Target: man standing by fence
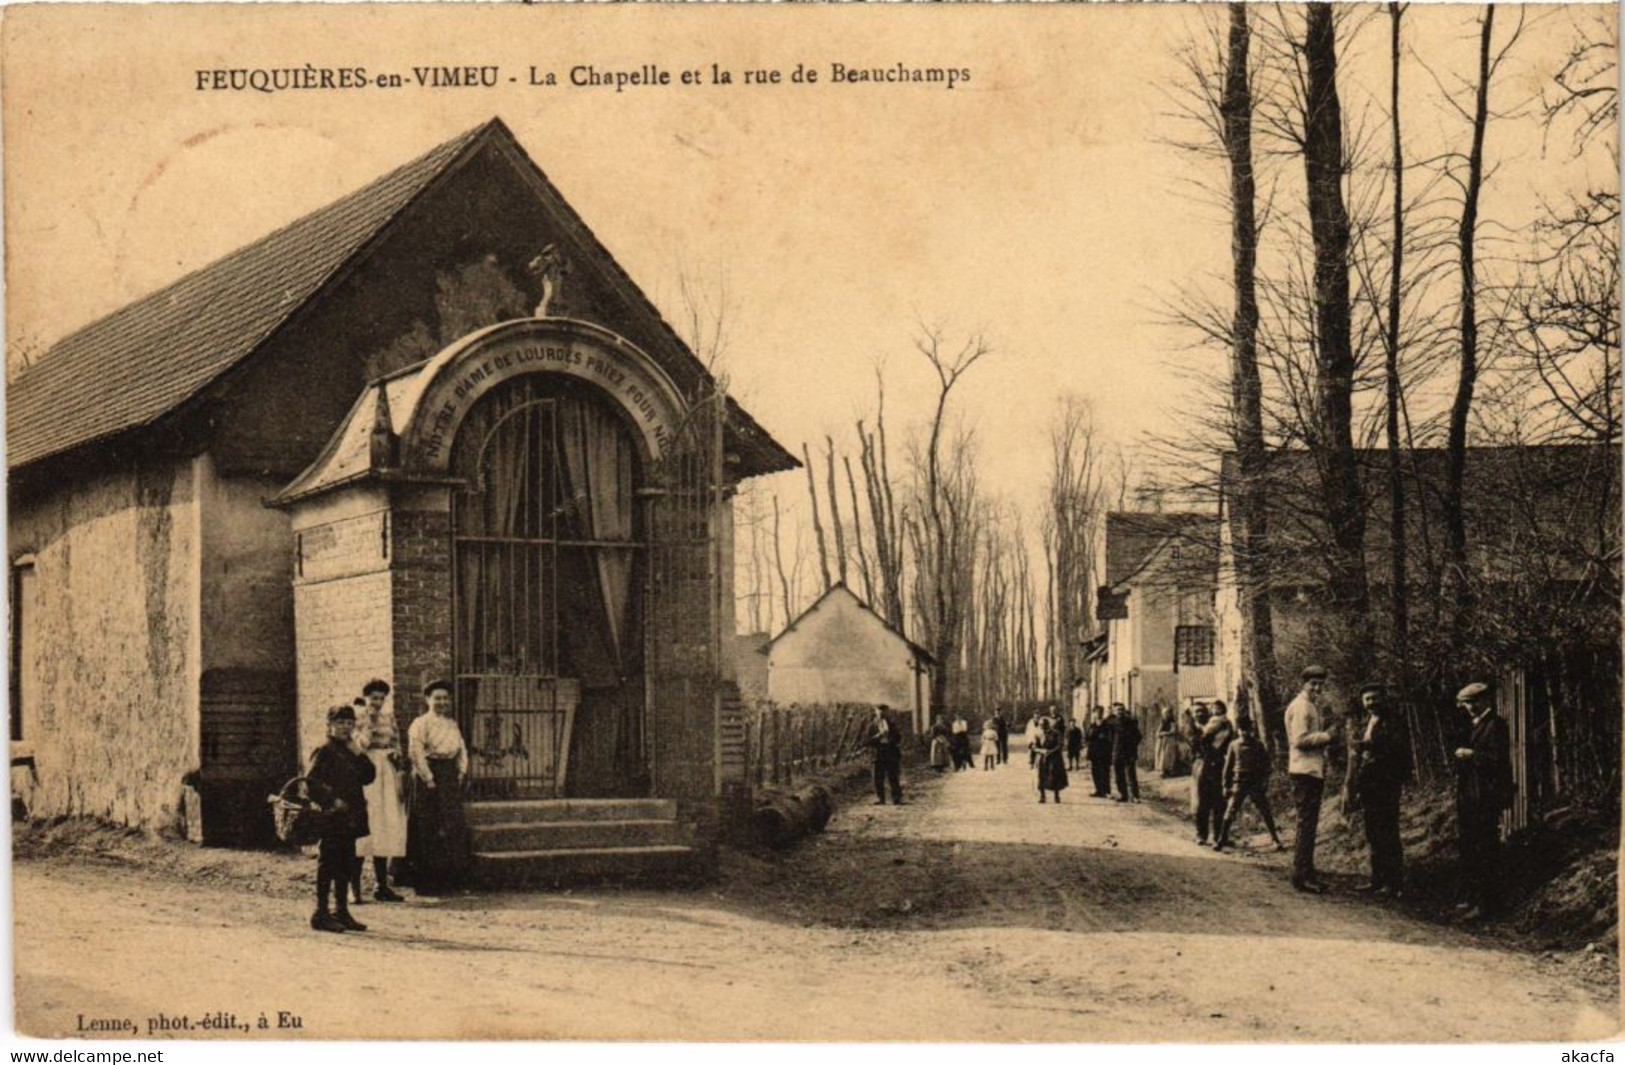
1484,789
886,741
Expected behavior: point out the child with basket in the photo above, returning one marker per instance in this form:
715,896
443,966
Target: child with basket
338,773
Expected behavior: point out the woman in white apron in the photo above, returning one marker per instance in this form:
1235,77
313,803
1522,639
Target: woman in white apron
379,737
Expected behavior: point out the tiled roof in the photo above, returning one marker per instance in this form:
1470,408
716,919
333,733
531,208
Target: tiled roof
1132,537
1563,497
138,363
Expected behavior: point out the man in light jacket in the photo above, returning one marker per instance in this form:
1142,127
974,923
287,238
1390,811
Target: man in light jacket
1308,734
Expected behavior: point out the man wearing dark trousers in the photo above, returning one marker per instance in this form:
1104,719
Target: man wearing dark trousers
886,741
1383,769
1308,734
1125,754
1098,747
1484,788
1002,727
1213,743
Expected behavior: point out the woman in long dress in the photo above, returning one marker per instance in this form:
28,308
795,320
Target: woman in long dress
1051,763
1168,745
379,737
437,840
939,745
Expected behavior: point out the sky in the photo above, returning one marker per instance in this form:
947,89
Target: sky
1039,203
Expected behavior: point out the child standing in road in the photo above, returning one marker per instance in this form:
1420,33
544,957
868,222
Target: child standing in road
338,773
990,746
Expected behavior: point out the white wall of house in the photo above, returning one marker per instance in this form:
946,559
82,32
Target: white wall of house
1139,663
1226,616
842,652
110,644
1140,670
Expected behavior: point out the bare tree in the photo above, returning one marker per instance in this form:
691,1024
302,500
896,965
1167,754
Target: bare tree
1398,579
1329,228
835,510
1246,389
778,562
1467,378
818,526
950,365
1073,512
707,308
1568,312
858,546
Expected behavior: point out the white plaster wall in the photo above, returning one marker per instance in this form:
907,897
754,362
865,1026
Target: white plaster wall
117,574
843,653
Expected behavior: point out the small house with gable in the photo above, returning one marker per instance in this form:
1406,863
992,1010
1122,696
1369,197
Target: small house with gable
1156,650
841,651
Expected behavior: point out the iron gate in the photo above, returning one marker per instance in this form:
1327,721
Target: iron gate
522,546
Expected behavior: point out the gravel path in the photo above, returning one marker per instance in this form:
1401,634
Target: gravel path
972,913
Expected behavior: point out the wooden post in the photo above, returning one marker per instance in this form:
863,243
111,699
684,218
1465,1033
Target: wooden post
761,744
838,755
778,744
793,715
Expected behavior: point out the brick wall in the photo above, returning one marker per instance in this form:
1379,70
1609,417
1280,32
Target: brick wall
342,609
422,608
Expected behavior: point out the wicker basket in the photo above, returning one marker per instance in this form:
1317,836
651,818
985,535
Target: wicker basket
298,820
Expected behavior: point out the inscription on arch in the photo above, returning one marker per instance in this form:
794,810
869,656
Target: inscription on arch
622,372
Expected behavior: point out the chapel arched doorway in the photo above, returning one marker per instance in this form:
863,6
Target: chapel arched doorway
549,567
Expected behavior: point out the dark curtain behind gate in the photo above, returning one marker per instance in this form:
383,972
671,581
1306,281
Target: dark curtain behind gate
598,469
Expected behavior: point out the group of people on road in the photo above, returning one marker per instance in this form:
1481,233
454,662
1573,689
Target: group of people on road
1113,744
1109,745
1232,767
950,744
398,807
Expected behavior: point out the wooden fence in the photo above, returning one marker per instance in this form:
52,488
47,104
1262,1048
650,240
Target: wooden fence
784,742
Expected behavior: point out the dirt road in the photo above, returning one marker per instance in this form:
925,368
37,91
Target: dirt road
972,913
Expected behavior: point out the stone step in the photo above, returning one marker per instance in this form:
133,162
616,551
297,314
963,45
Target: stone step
515,811
566,835
660,865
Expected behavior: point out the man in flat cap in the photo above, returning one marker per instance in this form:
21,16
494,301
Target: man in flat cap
1383,768
1484,788
1308,733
